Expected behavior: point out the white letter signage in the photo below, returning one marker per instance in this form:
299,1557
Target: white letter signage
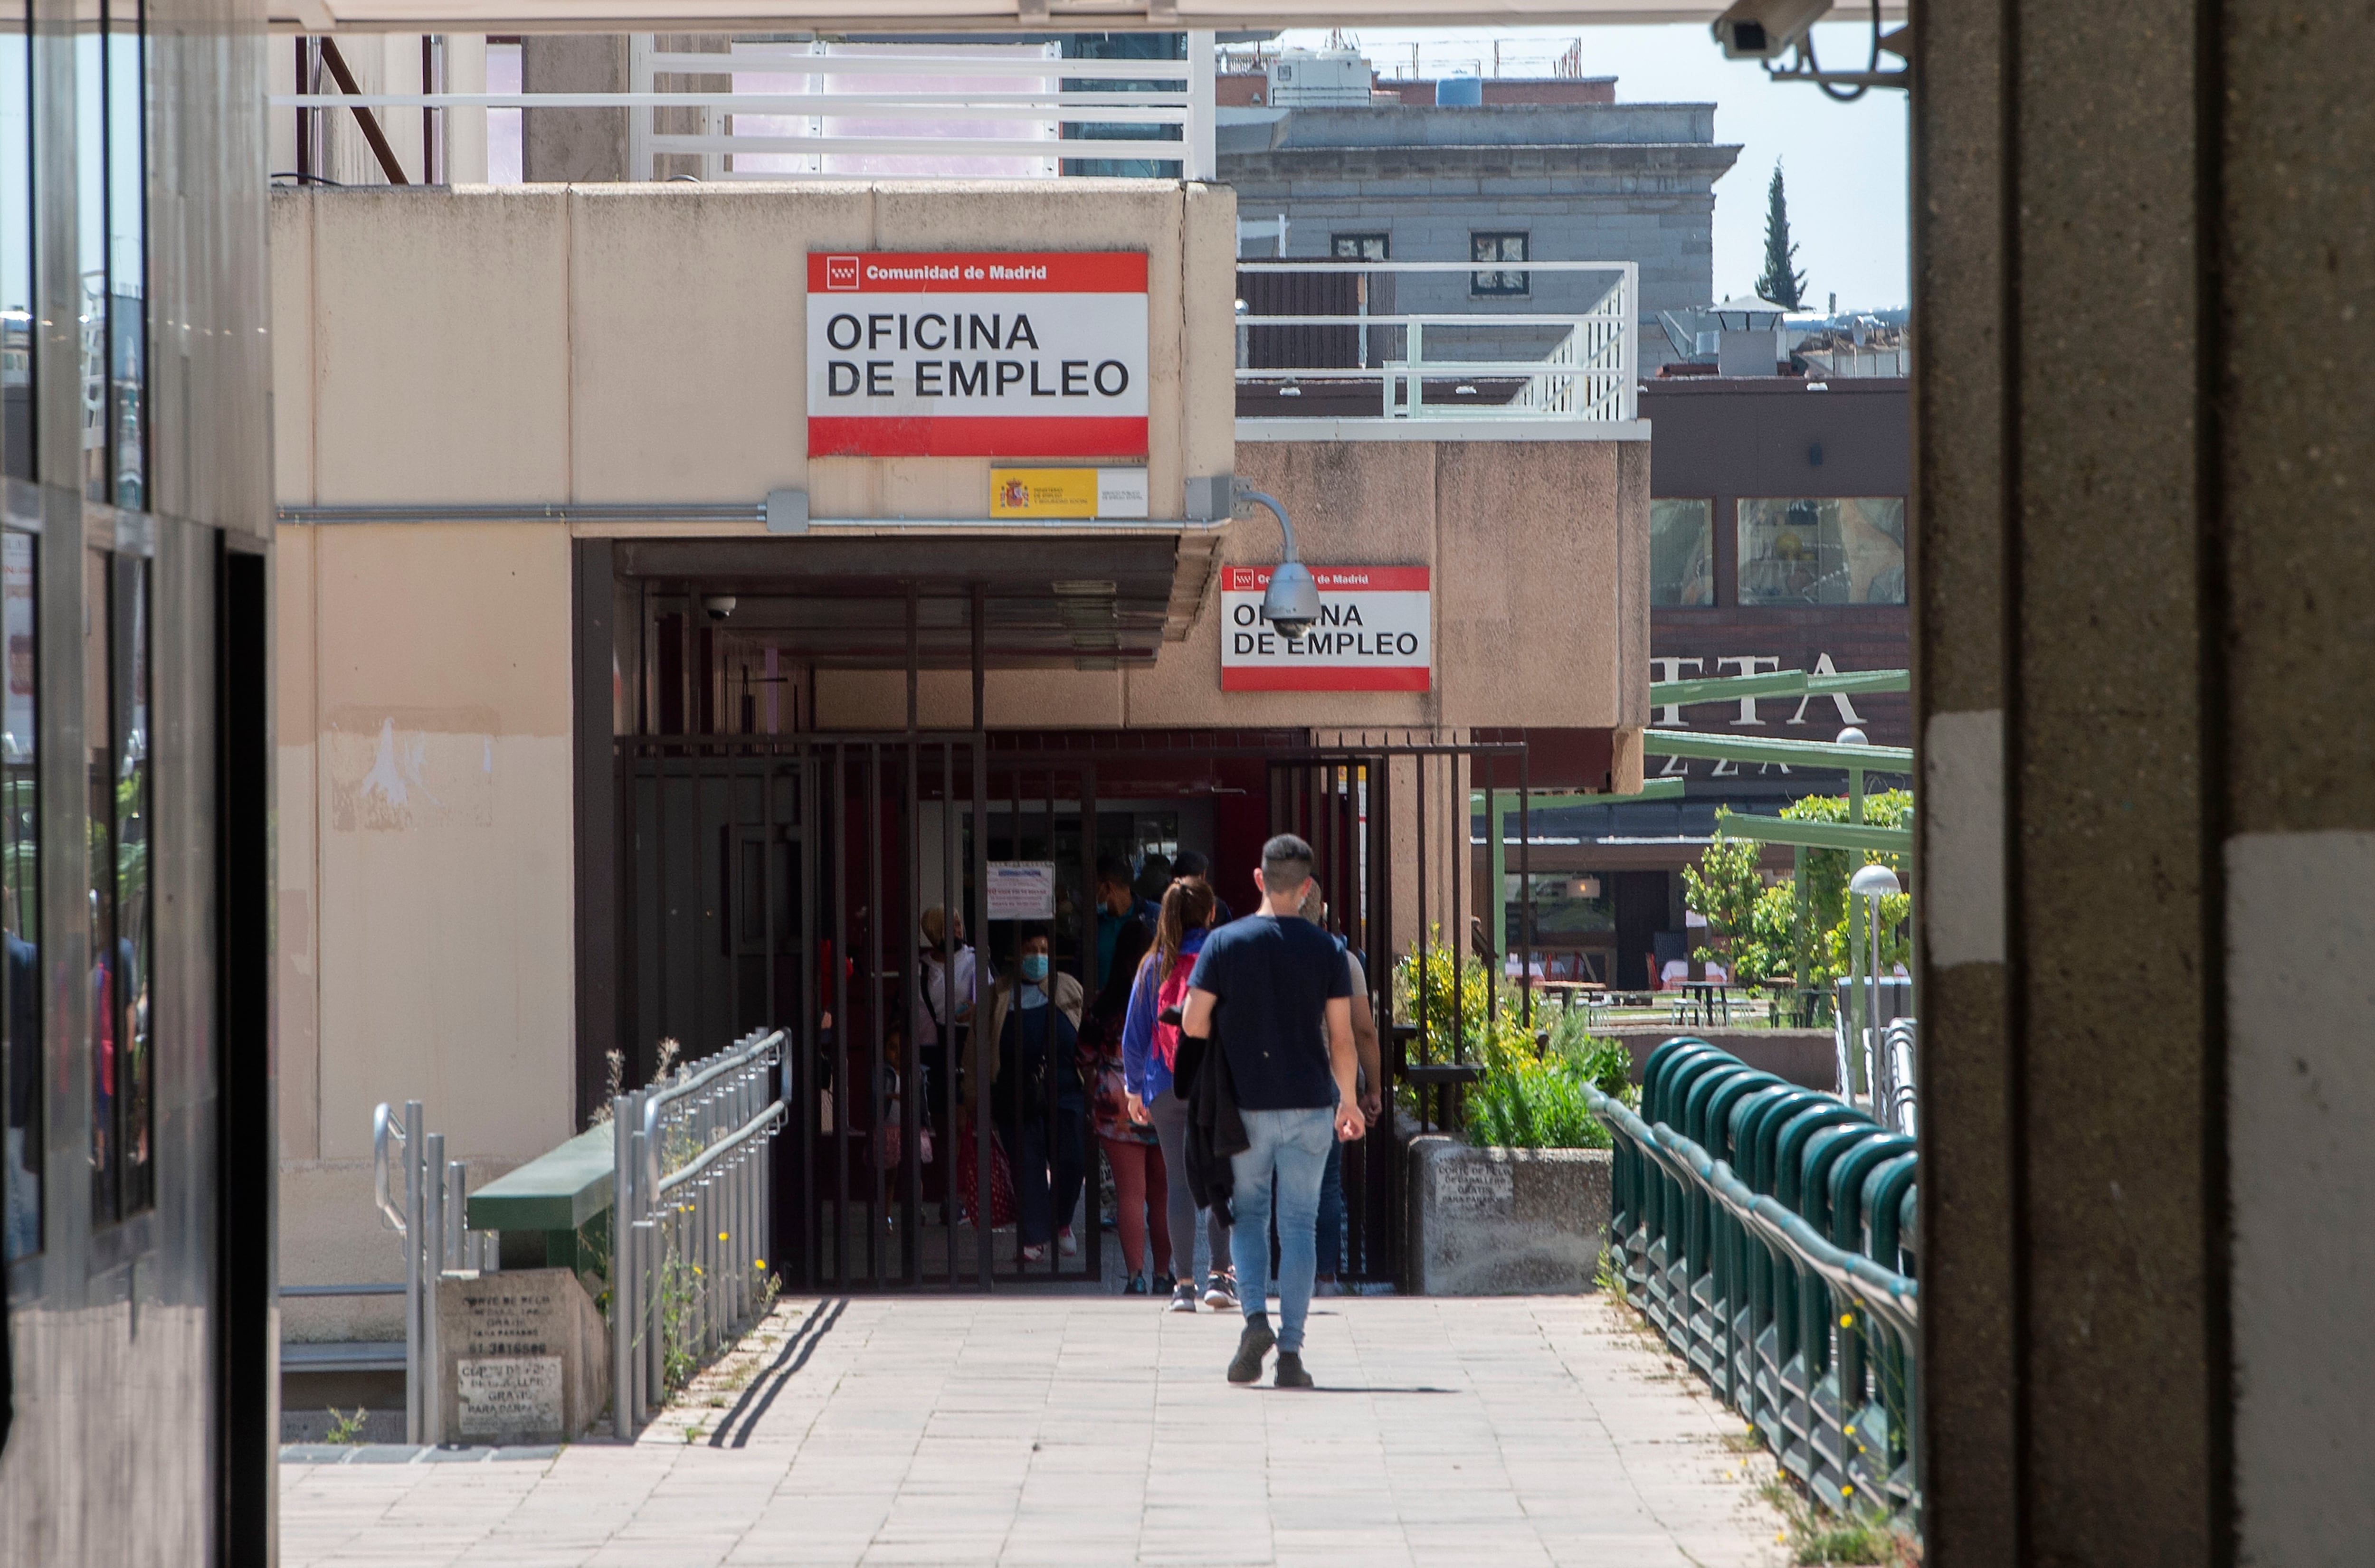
1372,634
977,354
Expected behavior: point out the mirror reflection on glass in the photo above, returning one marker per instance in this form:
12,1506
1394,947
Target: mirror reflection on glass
115,719
20,887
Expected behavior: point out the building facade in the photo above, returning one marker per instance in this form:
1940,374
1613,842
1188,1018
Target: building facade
137,1248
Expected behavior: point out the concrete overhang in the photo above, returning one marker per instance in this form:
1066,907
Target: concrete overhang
948,15
842,602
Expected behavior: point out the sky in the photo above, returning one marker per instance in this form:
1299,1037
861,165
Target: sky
1843,163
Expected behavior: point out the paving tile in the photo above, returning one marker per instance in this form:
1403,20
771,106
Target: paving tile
1062,1430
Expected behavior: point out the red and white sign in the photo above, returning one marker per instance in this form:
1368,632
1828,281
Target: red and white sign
1372,634
977,354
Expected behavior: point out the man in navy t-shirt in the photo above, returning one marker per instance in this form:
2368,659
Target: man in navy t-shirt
1267,984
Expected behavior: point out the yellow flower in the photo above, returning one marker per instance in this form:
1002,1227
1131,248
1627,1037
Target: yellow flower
758,1263
1847,1320
721,1235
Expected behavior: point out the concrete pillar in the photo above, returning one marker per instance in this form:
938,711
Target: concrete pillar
2145,236
574,144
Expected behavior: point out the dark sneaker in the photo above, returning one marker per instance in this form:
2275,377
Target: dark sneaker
1221,1293
1162,1283
1290,1372
1182,1297
1137,1285
1252,1346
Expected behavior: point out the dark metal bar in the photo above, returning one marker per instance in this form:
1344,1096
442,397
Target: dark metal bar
981,924
841,1031
428,116
914,655
909,1258
876,920
912,1146
1526,881
363,117
986,1051
980,653
801,1089
305,168
1092,1255
1429,1106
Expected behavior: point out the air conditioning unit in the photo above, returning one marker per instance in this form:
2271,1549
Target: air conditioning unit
1319,78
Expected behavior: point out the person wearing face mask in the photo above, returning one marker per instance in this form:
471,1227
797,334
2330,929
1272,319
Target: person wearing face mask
939,1026
1027,1053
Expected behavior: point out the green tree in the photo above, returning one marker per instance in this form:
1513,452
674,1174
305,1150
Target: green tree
1781,283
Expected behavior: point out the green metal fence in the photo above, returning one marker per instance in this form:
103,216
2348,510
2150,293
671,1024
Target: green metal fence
1767,1231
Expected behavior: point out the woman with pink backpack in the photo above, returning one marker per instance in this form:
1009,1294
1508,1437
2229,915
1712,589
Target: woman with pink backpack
1149,1047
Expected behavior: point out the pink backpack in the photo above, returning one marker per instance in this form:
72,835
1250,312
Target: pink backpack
1172,993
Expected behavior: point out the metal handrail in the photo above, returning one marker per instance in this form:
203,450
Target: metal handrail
1813,1341
765,1121
1588,374
703,1222
385,1130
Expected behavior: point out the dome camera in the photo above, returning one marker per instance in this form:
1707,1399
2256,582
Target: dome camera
719,606
1292,603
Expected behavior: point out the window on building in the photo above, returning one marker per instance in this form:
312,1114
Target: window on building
22,1079
16,248
1822,551
1358,247
1497,246
115,720
1575,922
1681,552
111,248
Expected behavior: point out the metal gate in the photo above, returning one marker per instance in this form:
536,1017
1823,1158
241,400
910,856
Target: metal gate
1393,831
781,882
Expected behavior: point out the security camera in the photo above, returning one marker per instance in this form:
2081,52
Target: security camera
1293,602
1765,30
719,606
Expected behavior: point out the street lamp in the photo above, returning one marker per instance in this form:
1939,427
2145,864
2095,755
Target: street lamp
1293,602
1873,883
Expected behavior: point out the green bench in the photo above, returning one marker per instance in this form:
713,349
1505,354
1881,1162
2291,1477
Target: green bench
553,1212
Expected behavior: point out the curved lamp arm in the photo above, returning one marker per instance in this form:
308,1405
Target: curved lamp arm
1285,527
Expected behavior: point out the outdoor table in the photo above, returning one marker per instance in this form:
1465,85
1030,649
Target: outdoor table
1708,999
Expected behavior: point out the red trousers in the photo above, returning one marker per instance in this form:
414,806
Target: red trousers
1143,1193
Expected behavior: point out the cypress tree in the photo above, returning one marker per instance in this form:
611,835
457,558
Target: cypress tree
1780,284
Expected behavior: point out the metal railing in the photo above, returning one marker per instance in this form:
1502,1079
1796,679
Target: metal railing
1406,340
919,105
436,1240
692,1208
1876,1067
1766,1231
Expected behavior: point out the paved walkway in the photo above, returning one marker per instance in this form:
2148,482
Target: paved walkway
1062,1430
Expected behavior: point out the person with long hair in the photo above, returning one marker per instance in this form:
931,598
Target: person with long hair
1149,1047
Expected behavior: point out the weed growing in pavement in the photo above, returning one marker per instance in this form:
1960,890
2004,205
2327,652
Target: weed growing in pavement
1814,1536
1610,1280
347,1429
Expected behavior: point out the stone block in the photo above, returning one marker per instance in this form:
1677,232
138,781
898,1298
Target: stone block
525,1354
1807,1057
1505,1221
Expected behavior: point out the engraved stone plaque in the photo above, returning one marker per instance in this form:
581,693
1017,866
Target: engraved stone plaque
1473,1187
510,1399
524,1357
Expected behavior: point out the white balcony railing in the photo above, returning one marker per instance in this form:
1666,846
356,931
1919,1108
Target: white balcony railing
1420,340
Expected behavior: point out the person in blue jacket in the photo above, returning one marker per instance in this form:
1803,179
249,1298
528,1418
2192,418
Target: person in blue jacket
1149,1046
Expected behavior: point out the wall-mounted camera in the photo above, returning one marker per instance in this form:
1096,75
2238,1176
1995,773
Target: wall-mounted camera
719,606
1765,30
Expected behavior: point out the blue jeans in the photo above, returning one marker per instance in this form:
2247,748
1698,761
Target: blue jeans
1332,1211
1292,1146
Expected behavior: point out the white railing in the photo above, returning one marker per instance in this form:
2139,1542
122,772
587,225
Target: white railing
1478,359
430,1216
691,1194
839,110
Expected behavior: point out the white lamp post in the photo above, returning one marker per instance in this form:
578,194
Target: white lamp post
1873,883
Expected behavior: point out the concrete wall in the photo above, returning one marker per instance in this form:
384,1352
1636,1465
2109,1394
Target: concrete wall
542,346
506,346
